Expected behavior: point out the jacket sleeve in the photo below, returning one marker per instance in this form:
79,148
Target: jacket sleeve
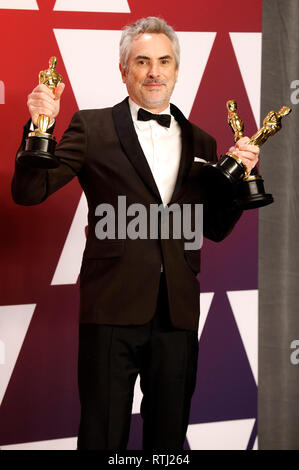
32,186
220,210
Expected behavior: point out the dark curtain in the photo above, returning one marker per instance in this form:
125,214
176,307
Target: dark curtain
278,409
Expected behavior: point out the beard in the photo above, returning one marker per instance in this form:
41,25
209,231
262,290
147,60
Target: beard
151,99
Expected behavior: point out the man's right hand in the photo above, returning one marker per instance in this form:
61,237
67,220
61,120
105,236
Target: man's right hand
43,101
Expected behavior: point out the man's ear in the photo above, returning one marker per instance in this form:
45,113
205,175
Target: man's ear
123,73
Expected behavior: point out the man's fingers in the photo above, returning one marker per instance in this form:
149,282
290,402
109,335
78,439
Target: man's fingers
48,110
39,99
40,96
242,144
246,154
250,148
59,90
41,88
249,164
249,154
43,101
242,141
249,157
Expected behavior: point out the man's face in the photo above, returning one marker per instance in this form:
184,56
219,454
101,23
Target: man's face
152,71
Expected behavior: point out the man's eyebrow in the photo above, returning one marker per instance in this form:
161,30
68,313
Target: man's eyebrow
142,57
166,57
138,57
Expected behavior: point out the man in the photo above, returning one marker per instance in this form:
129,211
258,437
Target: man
139,303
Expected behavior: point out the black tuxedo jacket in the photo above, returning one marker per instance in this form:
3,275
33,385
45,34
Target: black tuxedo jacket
119,278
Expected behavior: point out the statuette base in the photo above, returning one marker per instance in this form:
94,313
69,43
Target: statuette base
251,193
39,152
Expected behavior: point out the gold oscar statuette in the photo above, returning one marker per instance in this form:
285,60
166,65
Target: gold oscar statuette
234,121
40,145
252,192
229,176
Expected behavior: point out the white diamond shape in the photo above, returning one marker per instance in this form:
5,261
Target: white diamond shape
14,323
104,6
244,304
205,304
68,267
220,435
18,5
68,443
248,51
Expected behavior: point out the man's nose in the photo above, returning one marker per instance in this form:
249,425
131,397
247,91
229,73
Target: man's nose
154,70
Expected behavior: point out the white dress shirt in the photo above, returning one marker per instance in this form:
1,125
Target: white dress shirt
162,149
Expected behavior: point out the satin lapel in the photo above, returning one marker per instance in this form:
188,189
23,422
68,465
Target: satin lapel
129,141
187,151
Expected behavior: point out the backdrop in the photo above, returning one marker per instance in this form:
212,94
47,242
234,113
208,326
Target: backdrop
41,246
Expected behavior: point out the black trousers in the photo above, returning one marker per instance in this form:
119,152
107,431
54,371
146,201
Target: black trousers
111,357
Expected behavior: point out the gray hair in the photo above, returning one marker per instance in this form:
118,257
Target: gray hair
151,24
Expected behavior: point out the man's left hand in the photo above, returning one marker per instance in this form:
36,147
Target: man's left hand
249,154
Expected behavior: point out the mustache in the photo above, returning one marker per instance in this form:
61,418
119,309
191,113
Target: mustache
149,81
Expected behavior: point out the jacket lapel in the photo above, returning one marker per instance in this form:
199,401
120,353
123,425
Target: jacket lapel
187,151
129,141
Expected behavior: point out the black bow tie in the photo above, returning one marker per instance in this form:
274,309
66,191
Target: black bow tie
162,119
